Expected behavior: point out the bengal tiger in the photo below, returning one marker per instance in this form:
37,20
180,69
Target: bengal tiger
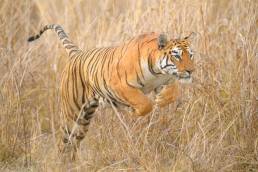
122,75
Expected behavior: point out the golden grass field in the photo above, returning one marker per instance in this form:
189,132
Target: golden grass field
213,128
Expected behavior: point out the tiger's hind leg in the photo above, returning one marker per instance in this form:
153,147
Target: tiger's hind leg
73,135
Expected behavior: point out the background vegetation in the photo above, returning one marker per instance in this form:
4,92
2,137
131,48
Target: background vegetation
214,127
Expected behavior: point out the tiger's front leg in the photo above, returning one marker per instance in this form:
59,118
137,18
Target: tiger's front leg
168,94
136,99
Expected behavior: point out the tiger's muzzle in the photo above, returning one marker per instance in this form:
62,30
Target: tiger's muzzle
185,76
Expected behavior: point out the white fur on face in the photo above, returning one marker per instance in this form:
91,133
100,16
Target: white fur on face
190,52
167,66
177,53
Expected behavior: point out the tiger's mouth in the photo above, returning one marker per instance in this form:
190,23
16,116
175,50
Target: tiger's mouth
184,77
185,80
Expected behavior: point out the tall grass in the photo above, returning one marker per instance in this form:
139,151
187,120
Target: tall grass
214,127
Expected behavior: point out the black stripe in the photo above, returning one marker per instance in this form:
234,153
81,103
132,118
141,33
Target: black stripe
67,41
147,42
70,46
150,66
72,51
126,80
139,80
139,61
74,84
81,78
58,27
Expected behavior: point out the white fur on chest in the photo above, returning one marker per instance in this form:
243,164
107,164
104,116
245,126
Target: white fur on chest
150,81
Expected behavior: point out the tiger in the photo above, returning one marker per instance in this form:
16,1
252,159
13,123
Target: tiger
122,75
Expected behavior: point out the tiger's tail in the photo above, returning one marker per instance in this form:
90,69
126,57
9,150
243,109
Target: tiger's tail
69,46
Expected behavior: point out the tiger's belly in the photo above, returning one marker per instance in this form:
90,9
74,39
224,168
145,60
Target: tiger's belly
155,82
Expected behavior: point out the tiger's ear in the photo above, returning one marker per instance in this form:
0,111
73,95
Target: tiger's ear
162,41
190,37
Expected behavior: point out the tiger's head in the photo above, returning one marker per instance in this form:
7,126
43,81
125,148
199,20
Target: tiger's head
176,58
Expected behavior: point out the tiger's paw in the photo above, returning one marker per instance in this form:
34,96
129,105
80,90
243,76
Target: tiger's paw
161,102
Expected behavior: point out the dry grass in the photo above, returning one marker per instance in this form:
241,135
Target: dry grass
214,129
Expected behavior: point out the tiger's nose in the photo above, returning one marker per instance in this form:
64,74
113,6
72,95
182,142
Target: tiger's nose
190,69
